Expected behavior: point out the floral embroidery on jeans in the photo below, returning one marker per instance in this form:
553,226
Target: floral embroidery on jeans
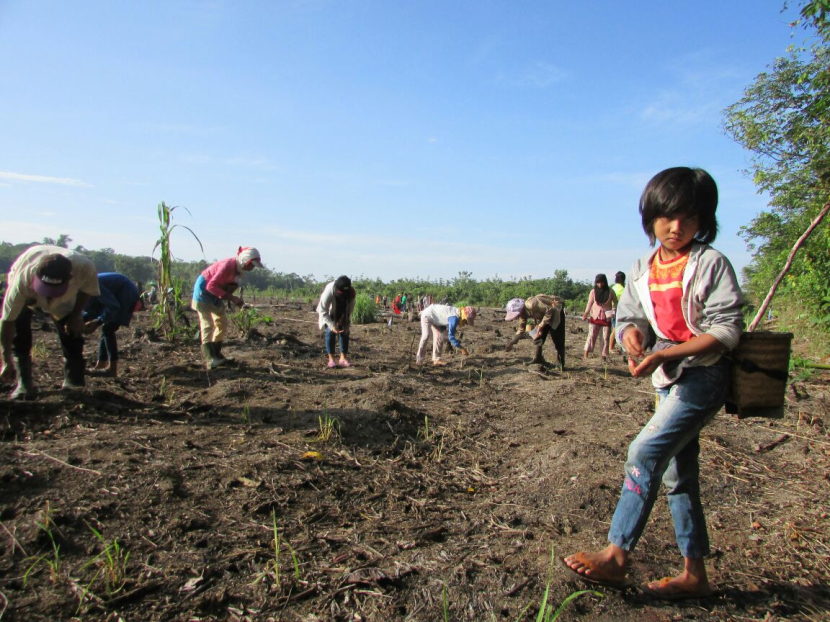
632,486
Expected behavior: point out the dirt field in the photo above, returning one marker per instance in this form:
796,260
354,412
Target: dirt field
439,496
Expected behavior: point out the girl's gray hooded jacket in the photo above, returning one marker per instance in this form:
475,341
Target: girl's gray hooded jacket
711,305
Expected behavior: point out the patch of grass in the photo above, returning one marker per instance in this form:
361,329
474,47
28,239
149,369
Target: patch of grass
245,320
328,426
811,343
273,568
364,310
547,613
111,564
51,558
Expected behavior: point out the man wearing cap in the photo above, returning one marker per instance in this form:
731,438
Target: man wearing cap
549,313
442,320
215,285
60,282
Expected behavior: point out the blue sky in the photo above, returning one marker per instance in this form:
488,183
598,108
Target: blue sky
380,138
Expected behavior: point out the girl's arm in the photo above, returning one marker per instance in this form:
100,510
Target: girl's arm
452,324
588,307
326,301
702,344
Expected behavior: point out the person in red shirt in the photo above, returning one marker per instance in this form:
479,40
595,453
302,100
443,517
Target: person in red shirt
688,294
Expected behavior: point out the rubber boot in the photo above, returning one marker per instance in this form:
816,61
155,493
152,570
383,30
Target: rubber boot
211,360
25,389
218,345
73,374
537,359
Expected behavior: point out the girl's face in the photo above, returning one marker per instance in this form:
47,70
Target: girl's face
676,234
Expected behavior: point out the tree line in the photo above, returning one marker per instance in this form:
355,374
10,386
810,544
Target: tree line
494,292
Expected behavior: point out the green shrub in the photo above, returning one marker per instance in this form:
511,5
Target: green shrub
364,310
246,319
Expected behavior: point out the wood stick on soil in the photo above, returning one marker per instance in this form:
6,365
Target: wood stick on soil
38,454
787,266
15,543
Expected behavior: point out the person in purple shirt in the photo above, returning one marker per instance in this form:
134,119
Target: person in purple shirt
110,311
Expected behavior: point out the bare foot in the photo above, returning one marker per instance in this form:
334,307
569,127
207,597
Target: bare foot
439,363
683,586
606,566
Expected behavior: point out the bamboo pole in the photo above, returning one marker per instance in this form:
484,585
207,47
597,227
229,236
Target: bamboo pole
816,221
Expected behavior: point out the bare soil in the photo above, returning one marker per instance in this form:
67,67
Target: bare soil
441,494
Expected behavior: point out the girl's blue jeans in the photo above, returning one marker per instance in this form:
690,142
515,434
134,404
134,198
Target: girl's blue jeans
330,339
667,449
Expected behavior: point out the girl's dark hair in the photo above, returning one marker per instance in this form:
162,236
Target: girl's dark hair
603,292
619,277
343,294
681,190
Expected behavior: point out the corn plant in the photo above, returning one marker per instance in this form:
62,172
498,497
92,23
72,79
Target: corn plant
273,568
111,563
364,310
546,611
424,432
170,304
51,558
246,319
165,391
329,426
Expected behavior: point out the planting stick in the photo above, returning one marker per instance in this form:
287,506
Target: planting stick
816,221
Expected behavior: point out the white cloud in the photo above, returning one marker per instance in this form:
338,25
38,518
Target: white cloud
538,75
44,179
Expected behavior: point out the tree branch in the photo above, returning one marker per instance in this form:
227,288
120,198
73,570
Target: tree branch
816,221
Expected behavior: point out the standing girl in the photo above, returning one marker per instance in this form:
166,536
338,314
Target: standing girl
601,302
335,315
214,286
688,293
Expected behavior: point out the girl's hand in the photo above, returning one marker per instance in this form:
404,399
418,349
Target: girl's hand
647,366
632,341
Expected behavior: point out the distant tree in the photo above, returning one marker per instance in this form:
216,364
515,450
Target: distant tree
784,119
